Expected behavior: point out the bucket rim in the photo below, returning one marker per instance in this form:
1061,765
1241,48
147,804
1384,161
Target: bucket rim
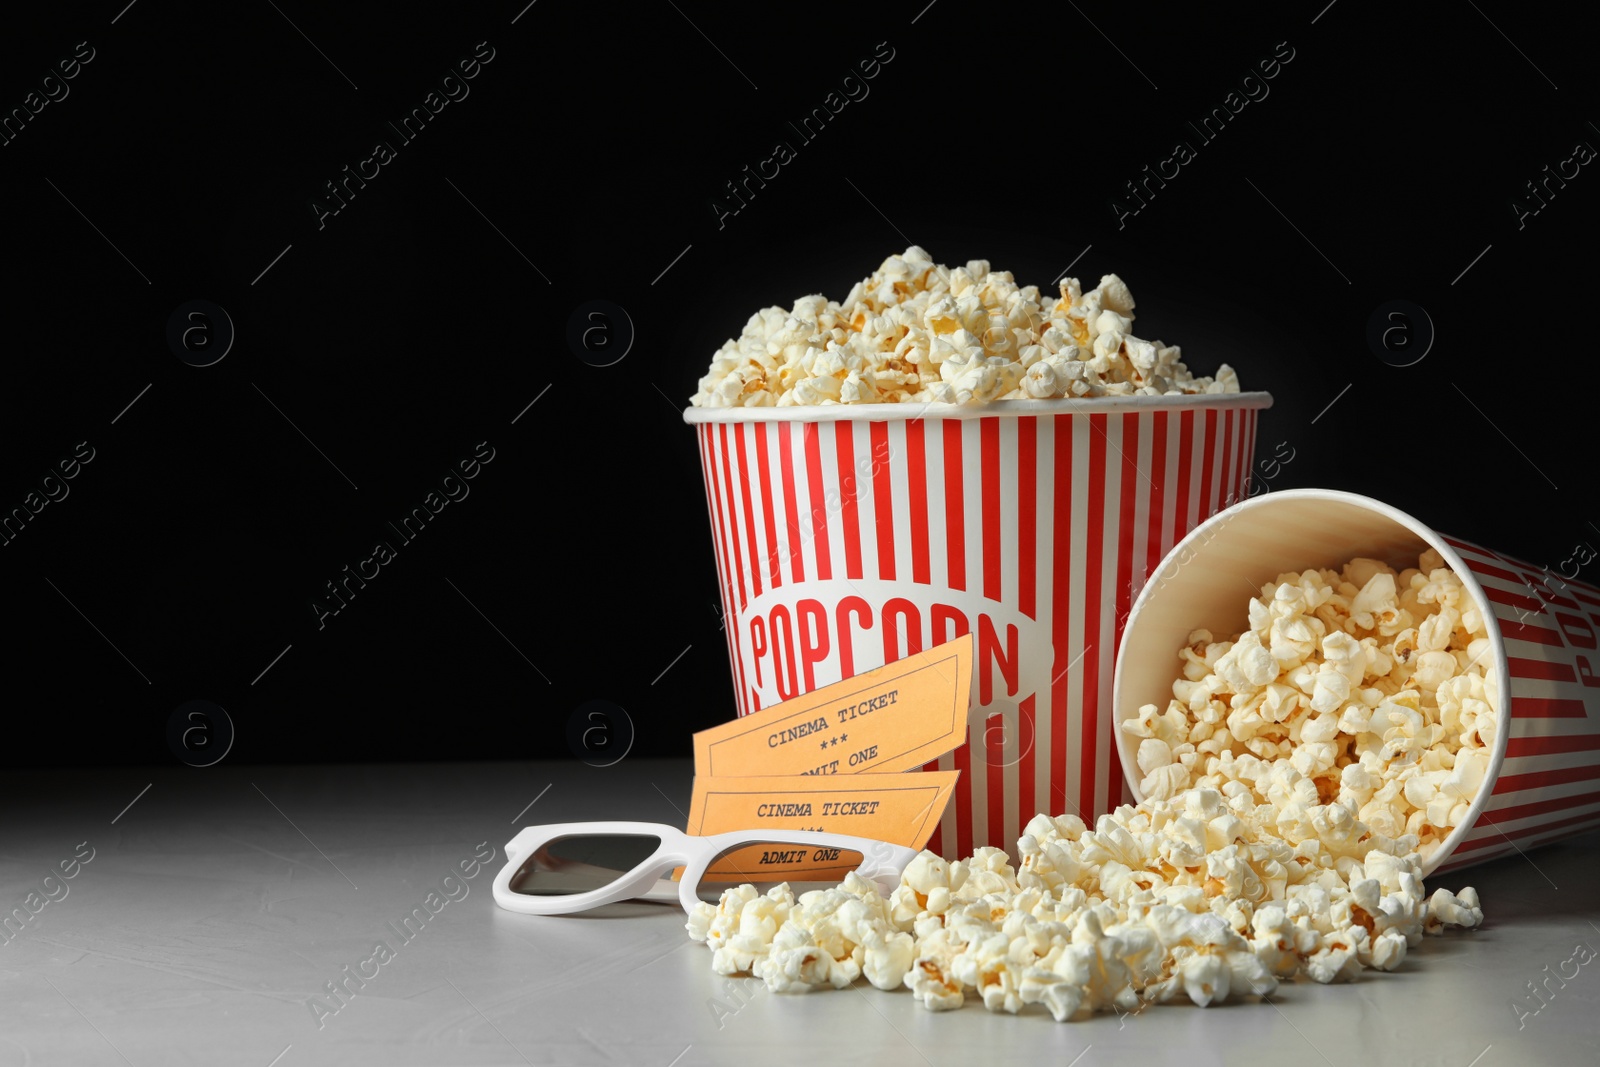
908,412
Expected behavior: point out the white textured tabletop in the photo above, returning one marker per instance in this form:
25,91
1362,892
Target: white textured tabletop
202,922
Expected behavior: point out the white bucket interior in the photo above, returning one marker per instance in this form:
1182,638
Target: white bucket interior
1208,578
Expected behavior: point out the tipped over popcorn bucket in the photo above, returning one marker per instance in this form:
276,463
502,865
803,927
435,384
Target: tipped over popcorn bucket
848,536
1543,777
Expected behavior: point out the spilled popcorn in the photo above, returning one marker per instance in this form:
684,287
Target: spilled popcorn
917,331
1372,685
1321,752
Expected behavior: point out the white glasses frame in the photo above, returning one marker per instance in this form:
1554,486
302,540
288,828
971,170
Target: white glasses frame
881,862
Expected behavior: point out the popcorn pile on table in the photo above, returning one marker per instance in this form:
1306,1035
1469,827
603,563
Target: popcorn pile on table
1323,753
916,331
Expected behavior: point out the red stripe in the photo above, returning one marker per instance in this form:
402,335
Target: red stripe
1206,464
1124,589
1090,729
1573,586
1128,516
1244,471
1538,807
791,510
1482,842
1511,783
956,569
847,500
1538,668
1180,521
1516,600
1537,583
955,522
730,617
963,758
1028,738
1551,744
882,500
1521,631
993,552
917,462
955,552
704,437
1156,545
1027,520
1247,423
1532,831
994,776
1479,567
760,430
1468,546
1060,614
1228,469
936,842
1543,708
1241,470
733,535
989,486
819,506
749,511
1250,455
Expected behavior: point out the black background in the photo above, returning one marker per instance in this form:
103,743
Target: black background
407,329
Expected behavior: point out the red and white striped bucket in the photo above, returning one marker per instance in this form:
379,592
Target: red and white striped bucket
849,536
1543,781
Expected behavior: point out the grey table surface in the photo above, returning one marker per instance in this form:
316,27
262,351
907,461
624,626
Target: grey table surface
218,904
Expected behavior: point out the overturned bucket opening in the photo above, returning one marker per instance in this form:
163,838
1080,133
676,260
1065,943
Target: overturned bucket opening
1207,579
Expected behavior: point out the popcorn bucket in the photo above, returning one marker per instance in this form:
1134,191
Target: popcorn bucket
1543,779
848,536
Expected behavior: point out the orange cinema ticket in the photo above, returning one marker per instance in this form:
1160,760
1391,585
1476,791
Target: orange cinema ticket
901,809
894,718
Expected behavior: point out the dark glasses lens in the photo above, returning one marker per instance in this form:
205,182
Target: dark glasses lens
581,863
